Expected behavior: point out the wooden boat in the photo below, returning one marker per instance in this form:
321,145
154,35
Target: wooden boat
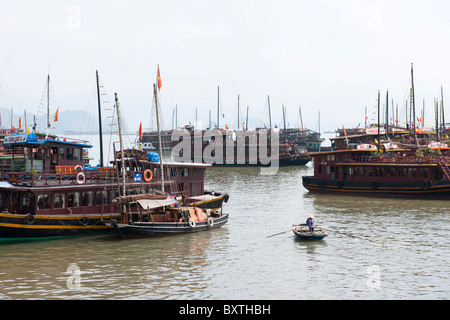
49,189
301,231
150,218
407,165
155,216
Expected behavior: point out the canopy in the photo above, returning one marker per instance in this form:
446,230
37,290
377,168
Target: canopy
204,197
156,203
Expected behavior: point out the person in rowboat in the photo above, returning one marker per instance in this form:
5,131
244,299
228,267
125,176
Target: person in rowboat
310,222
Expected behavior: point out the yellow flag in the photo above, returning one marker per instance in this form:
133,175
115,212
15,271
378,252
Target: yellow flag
376,141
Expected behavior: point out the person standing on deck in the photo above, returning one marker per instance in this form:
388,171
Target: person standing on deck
310,222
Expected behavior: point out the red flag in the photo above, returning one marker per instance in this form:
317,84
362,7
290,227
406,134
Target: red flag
345,132
140,132
20,123
159,80
56,115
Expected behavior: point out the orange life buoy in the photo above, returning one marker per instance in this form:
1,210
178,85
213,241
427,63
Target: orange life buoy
148,175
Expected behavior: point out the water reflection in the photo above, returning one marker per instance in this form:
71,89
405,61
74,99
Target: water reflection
407,240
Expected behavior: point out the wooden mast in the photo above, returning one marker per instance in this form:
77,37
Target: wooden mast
122,157
155,91
99,120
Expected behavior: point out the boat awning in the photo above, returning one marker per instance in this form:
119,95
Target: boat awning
204,197
156,203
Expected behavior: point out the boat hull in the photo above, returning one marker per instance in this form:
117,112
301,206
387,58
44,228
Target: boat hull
302,232
282,162
155,229
36,226
396,189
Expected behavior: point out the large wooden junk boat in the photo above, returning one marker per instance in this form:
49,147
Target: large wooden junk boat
396,172
411,164
245,148
48,189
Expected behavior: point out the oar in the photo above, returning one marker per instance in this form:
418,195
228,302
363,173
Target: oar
276,234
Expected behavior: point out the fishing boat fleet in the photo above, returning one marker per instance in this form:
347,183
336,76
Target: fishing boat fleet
48,187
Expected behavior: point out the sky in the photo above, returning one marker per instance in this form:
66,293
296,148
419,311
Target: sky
328,57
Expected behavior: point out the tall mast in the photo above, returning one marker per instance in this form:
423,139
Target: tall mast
442,111
413,103
387,114
270,115
48,101
99,120
122,158
238,114
218,112
155,91
246,120
378,144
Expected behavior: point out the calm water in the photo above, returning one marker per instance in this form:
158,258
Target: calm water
376,249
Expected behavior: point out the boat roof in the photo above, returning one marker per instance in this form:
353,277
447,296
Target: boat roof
32,139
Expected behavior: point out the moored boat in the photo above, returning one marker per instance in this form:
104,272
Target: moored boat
152,215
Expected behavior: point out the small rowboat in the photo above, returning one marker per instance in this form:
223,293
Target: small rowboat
301,231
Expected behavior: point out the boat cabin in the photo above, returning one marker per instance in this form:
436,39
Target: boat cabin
367,164
23,152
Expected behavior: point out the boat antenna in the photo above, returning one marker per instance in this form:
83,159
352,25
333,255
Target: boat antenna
99,120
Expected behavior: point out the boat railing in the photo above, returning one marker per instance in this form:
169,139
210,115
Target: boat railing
37,178
402,159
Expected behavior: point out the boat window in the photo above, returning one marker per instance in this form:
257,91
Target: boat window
62,153
76,154
112,195
104,197
57,200
2,201
90,198
83,199
43,201
412,172
70,199
76,199
194,190
98,198
184,172
69,153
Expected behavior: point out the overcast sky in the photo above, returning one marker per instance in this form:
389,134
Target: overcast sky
330,56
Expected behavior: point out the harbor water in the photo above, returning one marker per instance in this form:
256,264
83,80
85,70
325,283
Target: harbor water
376,249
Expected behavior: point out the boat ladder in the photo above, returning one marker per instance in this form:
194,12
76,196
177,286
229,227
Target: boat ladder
444,168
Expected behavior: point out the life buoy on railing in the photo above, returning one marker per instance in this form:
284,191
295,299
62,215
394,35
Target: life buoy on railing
78,166
81,178
191,223
148,175
210,221
29,218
